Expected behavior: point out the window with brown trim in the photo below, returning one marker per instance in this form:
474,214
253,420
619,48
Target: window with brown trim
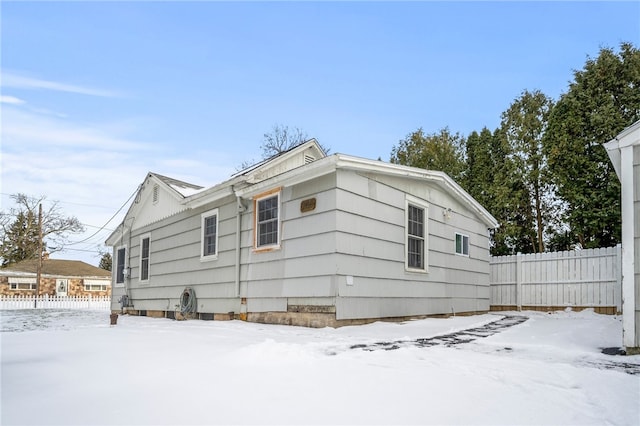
267,221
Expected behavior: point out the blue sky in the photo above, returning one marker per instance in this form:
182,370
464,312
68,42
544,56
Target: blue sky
95,95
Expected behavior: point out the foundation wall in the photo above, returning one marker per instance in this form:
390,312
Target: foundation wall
300,319
604,310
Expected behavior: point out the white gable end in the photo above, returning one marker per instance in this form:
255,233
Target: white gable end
297,157
155,201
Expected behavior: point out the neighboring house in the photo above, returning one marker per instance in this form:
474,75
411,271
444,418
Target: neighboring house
307,239
624,152
57,278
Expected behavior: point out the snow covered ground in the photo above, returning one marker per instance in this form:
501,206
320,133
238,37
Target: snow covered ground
73,368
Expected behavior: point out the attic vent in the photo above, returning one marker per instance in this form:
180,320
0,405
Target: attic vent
309,159
155,193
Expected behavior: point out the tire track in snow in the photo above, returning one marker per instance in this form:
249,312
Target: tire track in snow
451,339
472,334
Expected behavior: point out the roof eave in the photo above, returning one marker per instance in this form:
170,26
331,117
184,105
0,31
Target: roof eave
356,163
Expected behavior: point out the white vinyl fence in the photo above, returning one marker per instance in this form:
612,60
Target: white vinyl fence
58,302
582,278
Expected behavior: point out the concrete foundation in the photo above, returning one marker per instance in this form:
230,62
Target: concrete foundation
307,318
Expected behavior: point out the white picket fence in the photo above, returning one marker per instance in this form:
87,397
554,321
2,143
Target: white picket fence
55,302
582,278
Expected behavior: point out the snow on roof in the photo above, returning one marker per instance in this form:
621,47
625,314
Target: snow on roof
183,188
186,191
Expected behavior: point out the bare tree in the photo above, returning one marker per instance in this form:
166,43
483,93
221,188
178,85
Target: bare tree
19,232
281,139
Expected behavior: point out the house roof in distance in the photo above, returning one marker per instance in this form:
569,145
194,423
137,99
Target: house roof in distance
58,267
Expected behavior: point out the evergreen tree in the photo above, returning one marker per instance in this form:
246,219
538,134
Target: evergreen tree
488,178
19,231
603,99
478,174
21,239
106,261
441,151
509,201
524,125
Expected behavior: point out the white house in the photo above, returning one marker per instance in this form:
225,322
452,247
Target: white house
307,239
624,152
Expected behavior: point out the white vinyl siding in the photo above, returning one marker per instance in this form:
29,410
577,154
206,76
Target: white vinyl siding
145,248
417,216
209,235
462,244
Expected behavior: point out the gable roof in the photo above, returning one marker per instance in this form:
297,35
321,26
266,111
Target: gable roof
184,195
348,162
301,163
59,267
628,137
311,145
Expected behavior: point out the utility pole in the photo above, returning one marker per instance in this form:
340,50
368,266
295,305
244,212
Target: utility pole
39,262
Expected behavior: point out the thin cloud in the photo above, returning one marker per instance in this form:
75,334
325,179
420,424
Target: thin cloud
17,81
23,130
4,99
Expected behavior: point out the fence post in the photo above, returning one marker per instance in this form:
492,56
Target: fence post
618,286
519,281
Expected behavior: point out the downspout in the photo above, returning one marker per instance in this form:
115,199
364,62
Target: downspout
127,276
240,209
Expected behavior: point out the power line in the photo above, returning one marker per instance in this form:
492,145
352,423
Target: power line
99,227
83,250
103,226
67,202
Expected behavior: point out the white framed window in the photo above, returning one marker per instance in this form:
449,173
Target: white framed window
209,235
145,247
267,220
121,265
22,283
462,244
95,285
416,233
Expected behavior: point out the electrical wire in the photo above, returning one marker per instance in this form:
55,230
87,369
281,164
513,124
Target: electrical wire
103,226
66,202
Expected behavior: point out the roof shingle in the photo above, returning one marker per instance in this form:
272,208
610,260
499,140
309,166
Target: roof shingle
74,268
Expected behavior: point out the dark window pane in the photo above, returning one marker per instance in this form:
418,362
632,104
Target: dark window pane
120,265
210,233
268,221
